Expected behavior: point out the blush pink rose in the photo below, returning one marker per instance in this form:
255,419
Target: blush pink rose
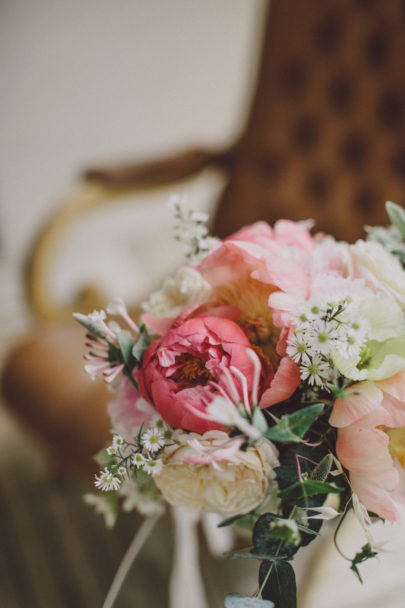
182,371
364,419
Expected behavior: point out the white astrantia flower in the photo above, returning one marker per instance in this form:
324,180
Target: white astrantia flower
104,506
153,466
107,481
145,503
153,440
315,371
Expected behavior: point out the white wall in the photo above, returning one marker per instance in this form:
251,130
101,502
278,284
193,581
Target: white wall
89,81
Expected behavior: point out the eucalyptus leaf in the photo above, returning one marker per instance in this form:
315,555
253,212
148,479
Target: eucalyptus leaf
279,584
234,600
396,213
292,427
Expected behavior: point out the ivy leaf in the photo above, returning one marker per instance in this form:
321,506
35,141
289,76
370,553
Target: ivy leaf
234,600
292,427
304,489
396,213
360,557
270,538
280,585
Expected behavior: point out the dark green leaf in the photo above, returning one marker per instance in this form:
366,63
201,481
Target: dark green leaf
304,489
268,542
234,600
360,557
396,213
292,427
279,585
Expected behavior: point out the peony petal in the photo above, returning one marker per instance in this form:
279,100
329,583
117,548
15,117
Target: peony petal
364,450
285,381
375,498
360,399
160,325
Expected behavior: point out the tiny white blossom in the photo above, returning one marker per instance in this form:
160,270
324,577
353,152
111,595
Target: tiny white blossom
153,440
322,336
97,316
316,371
297,347
153,466
107,481
138,459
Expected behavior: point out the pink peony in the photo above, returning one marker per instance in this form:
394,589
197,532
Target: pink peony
182,371
366,418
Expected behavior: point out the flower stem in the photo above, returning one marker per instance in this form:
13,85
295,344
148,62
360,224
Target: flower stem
136,545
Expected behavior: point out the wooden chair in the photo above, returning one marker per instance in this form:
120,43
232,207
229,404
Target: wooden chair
324,140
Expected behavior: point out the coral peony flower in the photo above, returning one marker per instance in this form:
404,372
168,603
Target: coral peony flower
189,477
371,421
185,369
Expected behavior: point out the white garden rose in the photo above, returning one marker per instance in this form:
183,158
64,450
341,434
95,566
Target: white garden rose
186,288
233,482
381,271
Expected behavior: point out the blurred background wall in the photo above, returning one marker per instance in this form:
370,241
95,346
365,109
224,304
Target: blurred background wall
97,82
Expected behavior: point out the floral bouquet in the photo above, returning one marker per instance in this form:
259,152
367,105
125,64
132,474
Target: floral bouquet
264,382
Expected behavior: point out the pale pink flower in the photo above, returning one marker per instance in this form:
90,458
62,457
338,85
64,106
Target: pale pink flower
365,418
128,411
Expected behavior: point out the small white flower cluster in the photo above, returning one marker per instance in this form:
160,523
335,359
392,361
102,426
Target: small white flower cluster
322,330
129,457
191,229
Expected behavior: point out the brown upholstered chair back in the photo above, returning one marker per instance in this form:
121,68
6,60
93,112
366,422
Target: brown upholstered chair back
326,134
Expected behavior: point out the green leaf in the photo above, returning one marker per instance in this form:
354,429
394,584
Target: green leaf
126,345
141,344
322,470
279,585
292,427
91,327
267,539
396,213
234,600
229,521
360,557
304,489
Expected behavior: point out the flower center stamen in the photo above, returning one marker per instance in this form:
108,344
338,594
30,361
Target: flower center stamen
191,371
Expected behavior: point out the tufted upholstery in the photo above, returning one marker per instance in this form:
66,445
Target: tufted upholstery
326,133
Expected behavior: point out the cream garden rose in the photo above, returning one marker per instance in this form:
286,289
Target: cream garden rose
381,271
201,474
